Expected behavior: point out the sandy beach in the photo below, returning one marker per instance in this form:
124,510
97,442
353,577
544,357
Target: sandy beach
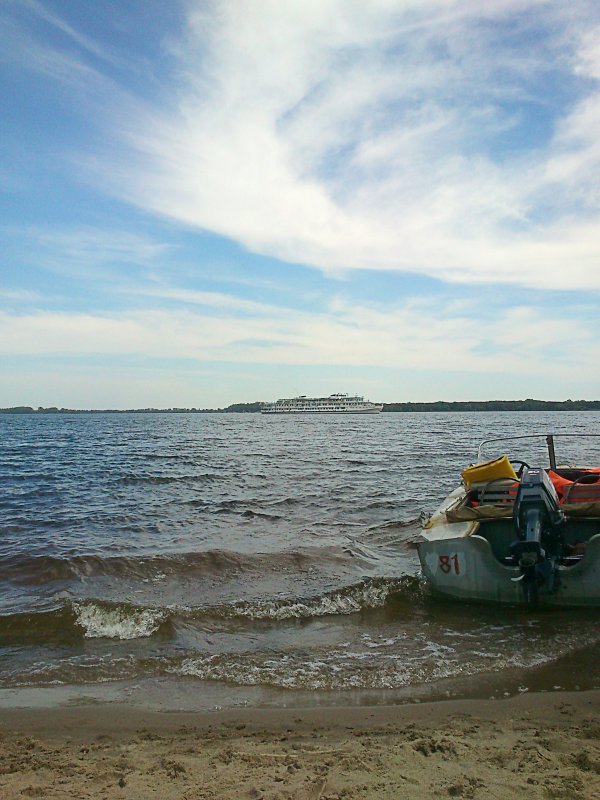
544,745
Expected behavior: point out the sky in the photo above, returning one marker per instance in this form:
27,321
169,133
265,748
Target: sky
206,202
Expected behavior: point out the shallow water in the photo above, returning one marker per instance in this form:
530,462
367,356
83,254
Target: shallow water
242,552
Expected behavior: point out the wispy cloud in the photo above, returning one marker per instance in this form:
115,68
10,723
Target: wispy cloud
383,136
85,252
84,42
409,136
414,335
66,66
211,300
86,243
19,296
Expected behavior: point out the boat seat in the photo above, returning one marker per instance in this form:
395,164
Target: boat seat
586,489
499,492
486,501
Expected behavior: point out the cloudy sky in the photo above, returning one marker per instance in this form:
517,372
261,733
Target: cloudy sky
210,202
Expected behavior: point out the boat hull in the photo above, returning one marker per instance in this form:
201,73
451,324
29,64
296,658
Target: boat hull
528,537
465,568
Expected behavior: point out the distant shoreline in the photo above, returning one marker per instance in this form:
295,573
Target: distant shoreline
439,405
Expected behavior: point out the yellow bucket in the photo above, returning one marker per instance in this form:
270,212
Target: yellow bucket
488,471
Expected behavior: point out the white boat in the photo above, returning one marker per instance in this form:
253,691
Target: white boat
334,404
515,534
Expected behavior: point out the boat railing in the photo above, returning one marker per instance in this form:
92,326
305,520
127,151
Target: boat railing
549,437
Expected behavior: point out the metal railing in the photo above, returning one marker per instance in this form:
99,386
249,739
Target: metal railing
549,437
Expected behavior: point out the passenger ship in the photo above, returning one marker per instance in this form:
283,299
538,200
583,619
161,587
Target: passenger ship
334,404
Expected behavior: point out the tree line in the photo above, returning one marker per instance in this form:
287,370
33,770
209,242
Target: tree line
255,407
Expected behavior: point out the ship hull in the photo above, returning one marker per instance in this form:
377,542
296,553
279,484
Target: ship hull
317,411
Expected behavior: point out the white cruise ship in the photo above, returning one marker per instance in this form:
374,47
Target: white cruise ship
334,404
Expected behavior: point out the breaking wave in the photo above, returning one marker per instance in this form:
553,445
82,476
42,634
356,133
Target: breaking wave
350,600
117,622
371,662
94,619
379,664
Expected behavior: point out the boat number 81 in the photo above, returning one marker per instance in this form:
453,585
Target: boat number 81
450,564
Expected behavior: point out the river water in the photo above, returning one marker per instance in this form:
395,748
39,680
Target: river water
220,559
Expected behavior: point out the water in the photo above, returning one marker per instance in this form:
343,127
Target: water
240,558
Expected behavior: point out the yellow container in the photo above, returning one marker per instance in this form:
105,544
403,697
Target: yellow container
488,471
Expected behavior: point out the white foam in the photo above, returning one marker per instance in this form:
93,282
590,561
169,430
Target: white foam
118,622
318,673
350,601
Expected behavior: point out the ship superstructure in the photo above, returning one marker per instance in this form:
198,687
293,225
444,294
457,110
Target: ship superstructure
334,404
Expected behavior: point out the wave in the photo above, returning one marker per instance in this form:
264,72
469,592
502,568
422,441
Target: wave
285,501
371,662
206,477
242,503
342,668
239,507
53,626
95,619
413,522
371,593
36,570
118,622
82,619
249,514
15,477
242,507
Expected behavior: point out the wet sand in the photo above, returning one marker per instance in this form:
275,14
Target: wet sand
544,745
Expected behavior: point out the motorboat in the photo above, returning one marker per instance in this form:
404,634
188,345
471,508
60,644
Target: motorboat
515,533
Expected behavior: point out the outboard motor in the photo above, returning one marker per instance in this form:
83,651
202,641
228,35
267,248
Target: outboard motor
537,520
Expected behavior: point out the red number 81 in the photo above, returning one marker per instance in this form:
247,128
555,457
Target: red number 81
447,562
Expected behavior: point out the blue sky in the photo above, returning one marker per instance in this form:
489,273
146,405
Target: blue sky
210,202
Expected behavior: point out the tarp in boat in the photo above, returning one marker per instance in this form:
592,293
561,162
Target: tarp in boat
468,514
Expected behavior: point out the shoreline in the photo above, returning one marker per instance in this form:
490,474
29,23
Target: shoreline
436,406
537,745
126,719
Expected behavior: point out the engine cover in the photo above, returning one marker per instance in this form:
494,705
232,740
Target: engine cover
536,516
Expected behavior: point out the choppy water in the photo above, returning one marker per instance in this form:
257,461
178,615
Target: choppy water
248,551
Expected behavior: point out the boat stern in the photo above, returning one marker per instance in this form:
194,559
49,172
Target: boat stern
465,568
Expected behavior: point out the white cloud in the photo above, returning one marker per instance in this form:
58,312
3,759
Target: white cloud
213,300
589,54
345,134
85,244
417,335
84,42
360,135
85,252
20,295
